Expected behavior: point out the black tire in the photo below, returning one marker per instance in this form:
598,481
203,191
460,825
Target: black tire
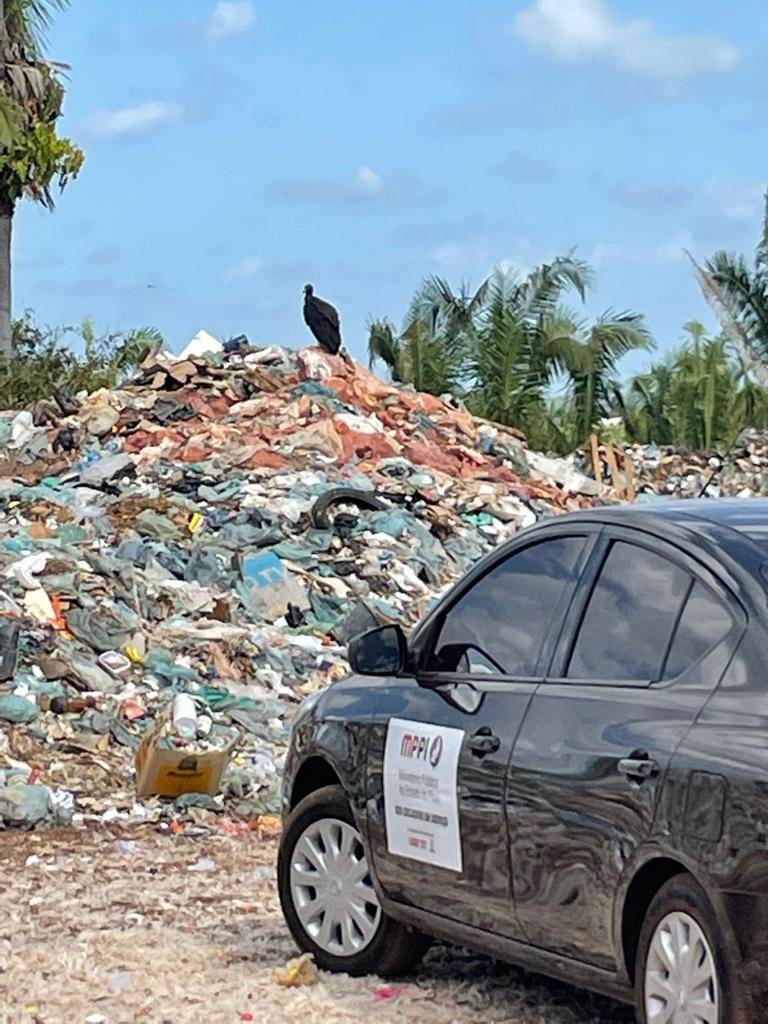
394,949
321,512
683,894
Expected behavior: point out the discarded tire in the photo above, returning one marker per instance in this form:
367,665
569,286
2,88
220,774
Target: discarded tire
321,513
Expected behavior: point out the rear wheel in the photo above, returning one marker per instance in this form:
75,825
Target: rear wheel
327,894
685,972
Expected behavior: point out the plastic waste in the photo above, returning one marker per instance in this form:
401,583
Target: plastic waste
184,716
200,345
27,569
120,983
17,709
297,973
115,663
10,630
203,864
24,806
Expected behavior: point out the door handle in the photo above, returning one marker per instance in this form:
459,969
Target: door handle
639,766
484,742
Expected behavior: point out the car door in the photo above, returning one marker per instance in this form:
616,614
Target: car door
590,759
476,665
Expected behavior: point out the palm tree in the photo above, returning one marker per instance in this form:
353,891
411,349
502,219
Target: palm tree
593,366
529,342
418,356
440,338
431,350
702,396
523,342
504,346
33,158
647,406
450,316
384,345
739,296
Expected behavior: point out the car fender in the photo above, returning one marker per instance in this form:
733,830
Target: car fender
339,744
657,849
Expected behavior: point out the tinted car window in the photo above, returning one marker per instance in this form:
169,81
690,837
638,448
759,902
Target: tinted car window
499,626
626,629
704,623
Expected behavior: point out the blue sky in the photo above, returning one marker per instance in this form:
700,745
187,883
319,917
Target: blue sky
236,150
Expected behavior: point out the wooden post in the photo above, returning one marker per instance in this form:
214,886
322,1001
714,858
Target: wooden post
597,466
629,476
610,458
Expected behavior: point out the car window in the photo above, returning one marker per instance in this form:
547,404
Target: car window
499,626
704,623
632,611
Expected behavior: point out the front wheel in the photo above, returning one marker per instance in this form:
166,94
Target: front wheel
685,972
327,894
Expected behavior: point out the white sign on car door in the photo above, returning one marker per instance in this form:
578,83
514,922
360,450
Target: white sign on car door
420,799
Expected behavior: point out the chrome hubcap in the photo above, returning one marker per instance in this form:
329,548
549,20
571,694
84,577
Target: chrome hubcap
681,985
331,888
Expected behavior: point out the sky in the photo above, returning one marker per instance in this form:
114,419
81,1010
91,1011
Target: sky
237,150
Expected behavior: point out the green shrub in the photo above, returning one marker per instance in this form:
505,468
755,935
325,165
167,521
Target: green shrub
46,359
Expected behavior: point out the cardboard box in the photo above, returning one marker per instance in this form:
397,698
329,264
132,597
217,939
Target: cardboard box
170,773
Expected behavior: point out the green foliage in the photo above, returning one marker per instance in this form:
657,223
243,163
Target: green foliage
45,359
738,294
513,358
33,158
36,161
384,346
700,397
503,347
27,22
593,369
439,331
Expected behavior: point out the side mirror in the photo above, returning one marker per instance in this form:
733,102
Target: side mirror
379,652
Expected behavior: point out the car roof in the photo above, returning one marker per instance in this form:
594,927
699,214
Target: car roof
722,534
730,532
748,516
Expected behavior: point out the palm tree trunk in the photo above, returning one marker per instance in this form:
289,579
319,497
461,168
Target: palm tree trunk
6,222
6,225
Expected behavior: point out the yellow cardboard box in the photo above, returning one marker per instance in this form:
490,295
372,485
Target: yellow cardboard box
164,772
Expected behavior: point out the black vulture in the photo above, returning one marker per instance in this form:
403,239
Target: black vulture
323,320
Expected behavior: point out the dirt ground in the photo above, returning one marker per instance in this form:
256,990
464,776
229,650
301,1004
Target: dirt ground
116,928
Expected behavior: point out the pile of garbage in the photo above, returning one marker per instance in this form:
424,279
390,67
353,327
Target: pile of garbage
183,559
672,472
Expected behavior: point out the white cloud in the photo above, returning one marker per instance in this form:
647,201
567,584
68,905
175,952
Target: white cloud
668,251
368,180
579,30
230,18
737,199
365,186
472,257
451,254
133,120
248,267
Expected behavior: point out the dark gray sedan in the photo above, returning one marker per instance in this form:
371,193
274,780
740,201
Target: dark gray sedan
565,766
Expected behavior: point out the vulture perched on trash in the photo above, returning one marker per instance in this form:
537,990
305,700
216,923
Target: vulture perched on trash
323,320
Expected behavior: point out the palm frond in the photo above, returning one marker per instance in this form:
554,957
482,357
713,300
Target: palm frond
543,288
11,119
761,255
740,305
560,343
28,22
618,334
384,345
